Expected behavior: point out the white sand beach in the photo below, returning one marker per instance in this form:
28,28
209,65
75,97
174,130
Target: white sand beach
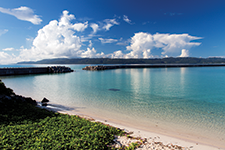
152,140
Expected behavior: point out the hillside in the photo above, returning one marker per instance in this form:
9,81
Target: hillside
170,60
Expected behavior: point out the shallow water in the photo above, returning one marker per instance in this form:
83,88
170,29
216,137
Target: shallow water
186,100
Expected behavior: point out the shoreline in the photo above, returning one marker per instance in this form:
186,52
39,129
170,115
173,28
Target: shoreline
192,143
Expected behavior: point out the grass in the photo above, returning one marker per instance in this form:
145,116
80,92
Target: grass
24,126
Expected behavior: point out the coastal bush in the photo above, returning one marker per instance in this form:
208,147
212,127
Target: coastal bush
25,126
48,130
4,90
58,132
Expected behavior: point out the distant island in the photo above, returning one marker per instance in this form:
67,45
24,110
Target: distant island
169,60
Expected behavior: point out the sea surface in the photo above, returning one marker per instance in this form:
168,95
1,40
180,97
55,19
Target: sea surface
188,101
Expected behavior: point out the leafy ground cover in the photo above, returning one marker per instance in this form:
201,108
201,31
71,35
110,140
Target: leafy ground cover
25,126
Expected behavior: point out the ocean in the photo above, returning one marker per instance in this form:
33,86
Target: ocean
186,101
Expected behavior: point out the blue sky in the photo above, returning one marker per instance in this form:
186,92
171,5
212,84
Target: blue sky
35,30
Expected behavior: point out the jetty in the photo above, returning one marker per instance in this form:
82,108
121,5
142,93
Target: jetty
107,67
34,70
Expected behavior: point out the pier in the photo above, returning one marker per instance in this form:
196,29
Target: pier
96,68
34,70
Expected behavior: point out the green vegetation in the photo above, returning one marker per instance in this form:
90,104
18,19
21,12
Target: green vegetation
170,60
4,90
25,126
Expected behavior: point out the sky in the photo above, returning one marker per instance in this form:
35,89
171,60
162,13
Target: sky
36,30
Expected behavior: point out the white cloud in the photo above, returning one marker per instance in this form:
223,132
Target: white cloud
171,44
126,19
105,25
123,43
8,49
147,54
142,43
57,39
30,39
95,27
5,58
65,21
3,31
91,53
116,54
80,26
23,13
184,53
103,41
109,23
4,55
90,44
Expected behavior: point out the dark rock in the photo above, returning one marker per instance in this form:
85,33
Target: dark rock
8,97
30,101
44,104
94,68
114,89
59,69
45,100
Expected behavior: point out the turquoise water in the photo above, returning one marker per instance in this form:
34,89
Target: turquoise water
185,100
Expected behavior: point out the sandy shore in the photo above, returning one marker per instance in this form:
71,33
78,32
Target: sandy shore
152,140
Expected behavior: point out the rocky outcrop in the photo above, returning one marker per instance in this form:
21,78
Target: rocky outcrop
94,68
6,100
44,102
59,69
9,98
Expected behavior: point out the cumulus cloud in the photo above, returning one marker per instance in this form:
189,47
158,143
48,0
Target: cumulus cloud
3,31
91,53
58,39
171,44
116,54
109,23
103,41
142,43
23,13
63,39
184,53
126,19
